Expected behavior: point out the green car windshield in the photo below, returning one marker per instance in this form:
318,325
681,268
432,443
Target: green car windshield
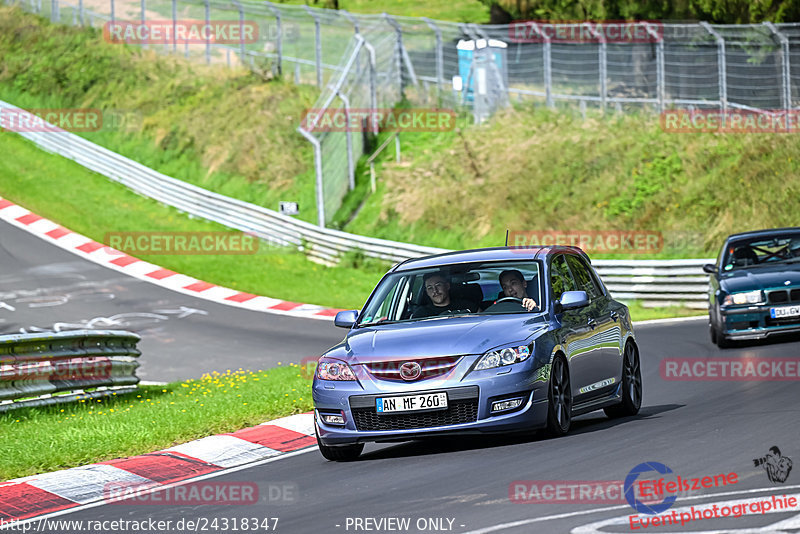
772,250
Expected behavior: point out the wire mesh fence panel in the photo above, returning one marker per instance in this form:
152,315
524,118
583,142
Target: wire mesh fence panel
374,62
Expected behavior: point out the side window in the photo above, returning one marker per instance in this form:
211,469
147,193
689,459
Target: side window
582,277
560,278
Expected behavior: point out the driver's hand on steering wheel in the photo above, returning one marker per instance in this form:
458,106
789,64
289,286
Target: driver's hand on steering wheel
528,303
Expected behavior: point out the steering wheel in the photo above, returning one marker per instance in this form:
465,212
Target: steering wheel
509,298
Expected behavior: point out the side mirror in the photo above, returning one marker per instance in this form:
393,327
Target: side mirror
710,268
571,300
346,318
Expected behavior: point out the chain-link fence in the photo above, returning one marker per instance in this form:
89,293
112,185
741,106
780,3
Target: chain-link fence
374,61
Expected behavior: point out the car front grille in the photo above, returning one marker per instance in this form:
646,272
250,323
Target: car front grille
430,367
457,413
783,296
462,407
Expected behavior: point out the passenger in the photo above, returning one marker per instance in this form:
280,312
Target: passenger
514,285
438,289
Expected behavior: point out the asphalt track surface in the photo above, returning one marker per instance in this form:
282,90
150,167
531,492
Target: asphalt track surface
460,484
43,287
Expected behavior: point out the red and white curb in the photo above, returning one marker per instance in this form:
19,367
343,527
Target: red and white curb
120,261
32,496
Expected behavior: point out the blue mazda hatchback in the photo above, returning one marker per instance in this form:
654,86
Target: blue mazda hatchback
494,340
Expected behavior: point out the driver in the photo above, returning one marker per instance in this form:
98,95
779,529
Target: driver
438,289
514,285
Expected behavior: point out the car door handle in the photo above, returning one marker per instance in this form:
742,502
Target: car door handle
591,322
614,316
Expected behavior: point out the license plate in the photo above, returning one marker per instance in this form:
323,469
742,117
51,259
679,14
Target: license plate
411,403
784,311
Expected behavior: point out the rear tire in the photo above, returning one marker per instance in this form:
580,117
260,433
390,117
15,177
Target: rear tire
342,453
631,385
559,399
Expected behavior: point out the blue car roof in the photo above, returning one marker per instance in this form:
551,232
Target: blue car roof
486,254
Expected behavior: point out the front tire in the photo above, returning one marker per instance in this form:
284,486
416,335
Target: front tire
559,396
631,385
342,453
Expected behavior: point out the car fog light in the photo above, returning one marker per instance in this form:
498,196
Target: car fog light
501,406
333,419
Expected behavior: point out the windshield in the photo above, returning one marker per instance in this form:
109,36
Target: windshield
464,289
746,253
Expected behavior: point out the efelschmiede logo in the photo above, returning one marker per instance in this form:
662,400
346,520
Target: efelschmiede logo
630,495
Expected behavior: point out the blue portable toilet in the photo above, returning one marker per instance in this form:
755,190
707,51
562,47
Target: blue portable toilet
467,49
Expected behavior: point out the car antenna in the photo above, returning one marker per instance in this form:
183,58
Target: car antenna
506,237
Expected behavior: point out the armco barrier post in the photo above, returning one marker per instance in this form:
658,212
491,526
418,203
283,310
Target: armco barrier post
174,25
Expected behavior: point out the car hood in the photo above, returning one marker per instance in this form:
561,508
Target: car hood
761,278
441,336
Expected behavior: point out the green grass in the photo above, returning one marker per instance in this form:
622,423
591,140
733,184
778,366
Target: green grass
459,11
532,169
92,205
38,440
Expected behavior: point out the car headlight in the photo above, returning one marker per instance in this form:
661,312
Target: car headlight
330,369
501,357
747,297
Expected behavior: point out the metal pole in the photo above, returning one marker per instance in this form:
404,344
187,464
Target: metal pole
602,60
659,65
242,54
208,37
354,21
351,172
53,10
279,43
398,50
174,26
143,18
80,10
786,82
439,53
112,12
722,76
373,93
548,73
318,169
318,44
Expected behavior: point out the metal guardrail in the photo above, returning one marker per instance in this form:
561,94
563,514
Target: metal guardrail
656,282
43,369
